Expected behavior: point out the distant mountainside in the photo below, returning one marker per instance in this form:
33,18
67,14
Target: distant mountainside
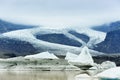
39,39
60,39
111,44
108,27
20,40
12,47
7,26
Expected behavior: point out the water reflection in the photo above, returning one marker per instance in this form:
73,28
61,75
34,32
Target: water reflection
38,75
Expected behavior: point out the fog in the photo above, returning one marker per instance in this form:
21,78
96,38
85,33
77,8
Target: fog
60,13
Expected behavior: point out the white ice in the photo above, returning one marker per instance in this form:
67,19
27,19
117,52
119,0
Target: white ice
70,56
84,57
110,73
43,55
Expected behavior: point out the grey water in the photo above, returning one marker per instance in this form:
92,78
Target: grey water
38,75
43,75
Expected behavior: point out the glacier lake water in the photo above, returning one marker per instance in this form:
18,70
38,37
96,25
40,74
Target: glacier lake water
43,75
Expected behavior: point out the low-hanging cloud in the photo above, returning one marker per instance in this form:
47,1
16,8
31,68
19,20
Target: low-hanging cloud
60,13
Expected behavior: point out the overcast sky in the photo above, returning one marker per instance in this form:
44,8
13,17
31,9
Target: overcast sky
60,13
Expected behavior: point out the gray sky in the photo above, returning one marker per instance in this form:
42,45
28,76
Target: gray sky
60,13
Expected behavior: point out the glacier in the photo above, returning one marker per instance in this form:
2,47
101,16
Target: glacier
29,35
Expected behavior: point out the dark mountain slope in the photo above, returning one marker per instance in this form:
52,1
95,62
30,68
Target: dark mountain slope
59,38
7,26
108,27
111,44
15,47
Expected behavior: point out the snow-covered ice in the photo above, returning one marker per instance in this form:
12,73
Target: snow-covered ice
110,73
108,64
29,36
43,55
97,68
84,58
70,56
95,36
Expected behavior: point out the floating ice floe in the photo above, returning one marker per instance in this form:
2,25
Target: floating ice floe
82,77
110,73
83,59
97,68
43,55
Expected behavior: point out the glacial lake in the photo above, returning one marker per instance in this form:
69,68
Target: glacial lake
42,75
38,75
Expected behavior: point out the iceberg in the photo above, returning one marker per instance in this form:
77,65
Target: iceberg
70,56
110,73
98,68
43,55
108,64
84,59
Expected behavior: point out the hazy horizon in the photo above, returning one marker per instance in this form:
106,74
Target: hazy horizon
60,13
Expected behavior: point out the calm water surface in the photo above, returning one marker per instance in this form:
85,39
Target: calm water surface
43,75
39,75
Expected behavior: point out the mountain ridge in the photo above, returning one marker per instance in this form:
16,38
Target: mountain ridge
111,43
108,27
9,26
57,41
